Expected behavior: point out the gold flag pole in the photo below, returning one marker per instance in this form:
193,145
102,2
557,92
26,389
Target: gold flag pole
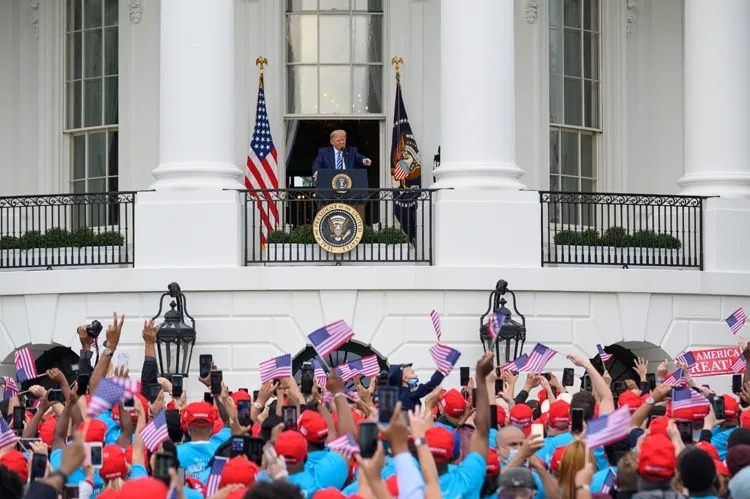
261,62
397,62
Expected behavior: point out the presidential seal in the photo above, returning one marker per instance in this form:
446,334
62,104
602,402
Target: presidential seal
338,228
341,183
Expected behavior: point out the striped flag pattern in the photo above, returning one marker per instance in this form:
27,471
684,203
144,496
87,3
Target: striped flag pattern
7,436
214,478
445,357
276,367
155,432
25,365
608,428
675,379
435,317
344,372
321,378
610,482
686,398
739,364
328,338
366,366
110,392
537,359
344,445
495,324
10,388
603,355
686,358
515,365
736,320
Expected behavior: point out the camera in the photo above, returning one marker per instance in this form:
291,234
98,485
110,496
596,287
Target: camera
94,329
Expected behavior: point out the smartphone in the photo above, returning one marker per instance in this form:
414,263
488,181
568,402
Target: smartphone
255,395
28,403
547,375
123,359
129,404
38,466
499,386
587,382
254,449
205,362
644,387
207,397
238,446
19,417
537,430
619,387
474,398
289,417
306,379
493,416
153,391
656,411
718,405
70,492
163,462
176,385
465,375
368,439
55,395
568,376
95,453
651,378
243,412
737,384
24,444
686,431
82,384
243,390
387,398
576,420
216,378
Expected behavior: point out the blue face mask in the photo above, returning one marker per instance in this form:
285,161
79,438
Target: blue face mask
511,453
413,382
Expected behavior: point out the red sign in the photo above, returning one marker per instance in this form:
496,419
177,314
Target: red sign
714,361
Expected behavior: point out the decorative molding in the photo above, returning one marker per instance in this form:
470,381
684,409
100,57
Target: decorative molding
34,16
630,17
531,10
136,11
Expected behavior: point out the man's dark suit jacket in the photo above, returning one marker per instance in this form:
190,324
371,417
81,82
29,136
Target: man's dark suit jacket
326,159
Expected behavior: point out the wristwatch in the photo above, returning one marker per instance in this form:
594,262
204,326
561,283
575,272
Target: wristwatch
258,406
59,473
107,352
420,441
583,487
650,401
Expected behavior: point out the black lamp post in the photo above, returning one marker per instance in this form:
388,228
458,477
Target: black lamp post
175,339
511,330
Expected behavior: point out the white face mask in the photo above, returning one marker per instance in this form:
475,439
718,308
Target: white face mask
511,453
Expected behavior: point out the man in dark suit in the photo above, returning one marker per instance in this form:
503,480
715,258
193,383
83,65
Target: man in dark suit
337,156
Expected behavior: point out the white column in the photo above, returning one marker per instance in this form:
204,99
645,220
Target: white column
717,98
196,102
477,103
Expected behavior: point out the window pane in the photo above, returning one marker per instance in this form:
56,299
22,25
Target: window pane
573,104
110,51
569,184
334,39
93,62
555,12
591,15
367,38
297,5
302,89
555,51
93,13
572,52
97,161
368,5
587,156
79,187
592,104
302,39
93,103
588,185
554,152
74,55
572,13
368,85
556,99
334,5
79,157
110,100
110,12
569,153
114,167
98,211
112,184
74,104
335,90
591,56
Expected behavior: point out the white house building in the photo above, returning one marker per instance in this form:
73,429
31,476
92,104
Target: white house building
156,100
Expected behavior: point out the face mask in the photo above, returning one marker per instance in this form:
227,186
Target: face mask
511,453
413,382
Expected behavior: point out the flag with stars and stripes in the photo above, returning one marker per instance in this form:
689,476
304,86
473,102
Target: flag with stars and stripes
7,436
344,445
328,338
276,368
686,358
515,365
214,477
110,392
495,324
155,432
321,378
435,317
344,372
604,356
610,482
366,366
736,320
676,378
445,357
685,397
537,359
608,428
10,388
25,364
261,168
739,364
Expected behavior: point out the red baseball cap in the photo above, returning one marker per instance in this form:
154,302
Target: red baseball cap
441,443
745,419
241,395
329,493
559,415
557,455
239,470
656,459
731,407
16,462
493,463
200,414
312,426
721,468
453,403
501,415
96,431
292,445
709,448
521,416
133,413
47,431
631,399
142,487
114,464
129,454
659,426
238,493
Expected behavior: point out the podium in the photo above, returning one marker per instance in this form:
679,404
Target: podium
342,186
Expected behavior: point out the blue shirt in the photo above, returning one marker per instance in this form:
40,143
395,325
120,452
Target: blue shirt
466,479
315,456
552,443
55,458
330,471
719,439
196,456
599,477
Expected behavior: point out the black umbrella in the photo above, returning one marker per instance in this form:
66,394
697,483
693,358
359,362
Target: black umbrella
60,357
619,367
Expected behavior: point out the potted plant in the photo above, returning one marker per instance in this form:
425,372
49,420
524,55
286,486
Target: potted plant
58,247
617,246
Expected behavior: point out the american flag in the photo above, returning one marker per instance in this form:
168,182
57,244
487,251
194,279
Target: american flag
538,358
110,392
344,372
172,494
676,378
155,432
602,354
610,482
609,428
736,320
515,365
686,358
686,398
25,365
7,436
328,396
276,367
739,364
435,318
344,445
445,357
321,378
10,389
214,477
261,167
366,366
495,324
328,338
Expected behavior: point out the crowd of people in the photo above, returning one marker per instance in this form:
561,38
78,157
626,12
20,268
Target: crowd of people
485,439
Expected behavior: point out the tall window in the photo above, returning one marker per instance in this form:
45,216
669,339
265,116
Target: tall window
574,83
334,56
91,99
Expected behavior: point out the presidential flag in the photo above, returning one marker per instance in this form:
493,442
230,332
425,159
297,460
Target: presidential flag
445,357
676,378
328,338
7,436
365,366
344,445
261,168
686,358
155,432
685,397
10,388
275,368
321,378
537,359
495,324
25,365
515,365
214,477
435,317
736,320
609,428
406,167
604,356
739,364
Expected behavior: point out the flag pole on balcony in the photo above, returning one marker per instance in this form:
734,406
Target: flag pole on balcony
261,178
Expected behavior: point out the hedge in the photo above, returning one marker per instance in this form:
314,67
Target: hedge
618,237
304,235
62,238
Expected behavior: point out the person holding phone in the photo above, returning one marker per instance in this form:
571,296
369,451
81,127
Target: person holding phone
196,455
411,391
239,471
720,431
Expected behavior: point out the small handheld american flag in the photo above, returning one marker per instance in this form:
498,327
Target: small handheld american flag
344,445
321,378
445,357
10,389
686,358
676,378
275,368
736,320
366,366
155,432
25,365
685,397
7,436
604,356
435,317
537,359
328,338
495,324
214,477
739,364
110,392
608,428
515,365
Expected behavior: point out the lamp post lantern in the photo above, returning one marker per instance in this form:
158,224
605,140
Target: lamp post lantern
511,330
174,338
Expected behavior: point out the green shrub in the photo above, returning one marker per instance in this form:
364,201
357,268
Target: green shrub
302,235
83,236
8,242
369,236
109,238
567,238
57,238
618,237
30,240
392,235
278,237
668,241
